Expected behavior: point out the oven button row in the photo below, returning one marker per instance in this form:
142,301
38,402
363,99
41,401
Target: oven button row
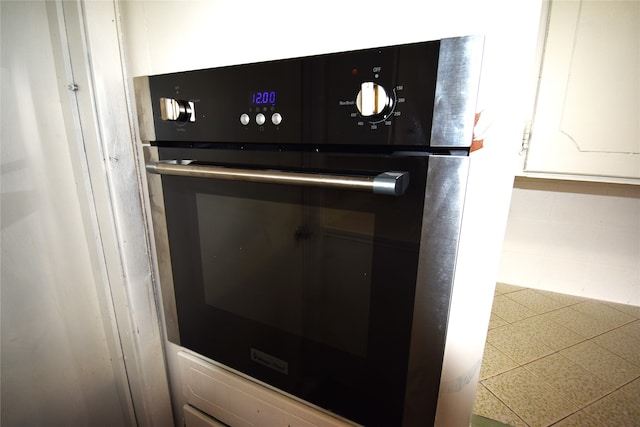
276,119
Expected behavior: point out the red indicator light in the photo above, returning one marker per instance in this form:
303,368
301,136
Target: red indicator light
354,71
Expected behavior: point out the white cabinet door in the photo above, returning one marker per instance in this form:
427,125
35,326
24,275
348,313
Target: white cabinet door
587,119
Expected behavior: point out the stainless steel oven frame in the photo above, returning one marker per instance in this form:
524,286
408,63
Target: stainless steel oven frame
448,175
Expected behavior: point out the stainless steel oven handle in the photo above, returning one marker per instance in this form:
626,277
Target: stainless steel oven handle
387,183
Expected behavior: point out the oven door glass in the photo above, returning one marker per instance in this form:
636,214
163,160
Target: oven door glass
310,290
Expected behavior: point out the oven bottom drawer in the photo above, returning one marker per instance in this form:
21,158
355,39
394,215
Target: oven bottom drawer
239,402
195,418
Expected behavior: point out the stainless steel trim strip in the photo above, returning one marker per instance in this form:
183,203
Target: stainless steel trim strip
457,87
440,234
161,246
144,110
387,183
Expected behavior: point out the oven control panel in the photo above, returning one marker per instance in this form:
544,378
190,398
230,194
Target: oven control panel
384,96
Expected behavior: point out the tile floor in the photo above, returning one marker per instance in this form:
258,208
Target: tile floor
559,360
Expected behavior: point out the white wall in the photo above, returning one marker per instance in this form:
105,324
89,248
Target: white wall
57,365
578,238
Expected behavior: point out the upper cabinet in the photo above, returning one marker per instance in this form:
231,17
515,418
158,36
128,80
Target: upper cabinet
587,114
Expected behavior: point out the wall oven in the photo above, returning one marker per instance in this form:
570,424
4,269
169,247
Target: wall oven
307,214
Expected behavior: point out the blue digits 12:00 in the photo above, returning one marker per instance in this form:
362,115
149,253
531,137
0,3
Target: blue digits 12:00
263,97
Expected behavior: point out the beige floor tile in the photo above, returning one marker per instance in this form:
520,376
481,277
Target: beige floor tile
529,397
632,329
517,345
603,313
631,310
576,352
616,409
579,419
496,321
602,363
504,288
509,310
495,362
534,301
618,342
563,299
571,381
578,322
633,390
488,406
546,330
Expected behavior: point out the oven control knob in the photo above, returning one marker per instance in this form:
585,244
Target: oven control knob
177,110
374,101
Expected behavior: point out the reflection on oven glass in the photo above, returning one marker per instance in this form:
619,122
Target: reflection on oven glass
302,269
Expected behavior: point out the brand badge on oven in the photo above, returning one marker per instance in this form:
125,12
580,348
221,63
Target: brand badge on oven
270,361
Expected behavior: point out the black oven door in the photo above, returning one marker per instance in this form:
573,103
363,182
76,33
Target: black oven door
310,290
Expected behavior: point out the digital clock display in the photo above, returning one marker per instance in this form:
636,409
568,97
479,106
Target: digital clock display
263,97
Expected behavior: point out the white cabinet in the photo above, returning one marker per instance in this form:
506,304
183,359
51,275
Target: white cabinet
587,118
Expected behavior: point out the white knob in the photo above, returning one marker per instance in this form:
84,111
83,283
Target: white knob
177,110
373,100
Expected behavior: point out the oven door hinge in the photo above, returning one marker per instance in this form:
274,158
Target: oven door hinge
526,138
